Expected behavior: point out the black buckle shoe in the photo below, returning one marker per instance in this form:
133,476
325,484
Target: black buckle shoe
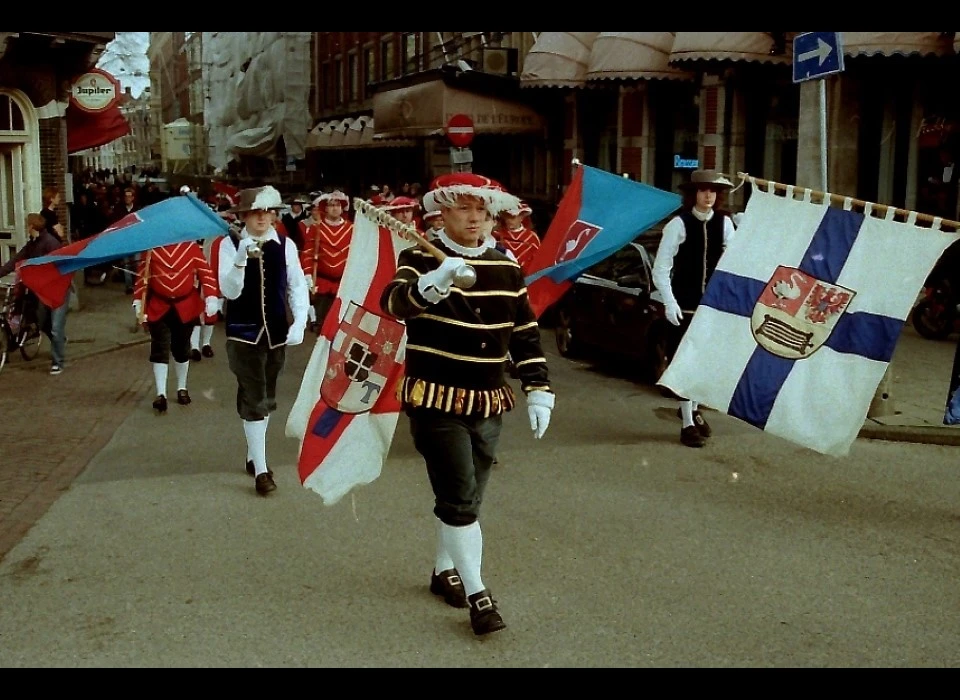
448,584
691,437
160,404
183,397
698,420
265,483
484,616
195,356
207,351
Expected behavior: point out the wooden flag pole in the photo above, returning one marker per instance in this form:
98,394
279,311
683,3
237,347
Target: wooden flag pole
840,199
464,279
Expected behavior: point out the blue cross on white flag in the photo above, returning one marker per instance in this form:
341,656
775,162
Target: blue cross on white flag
805,306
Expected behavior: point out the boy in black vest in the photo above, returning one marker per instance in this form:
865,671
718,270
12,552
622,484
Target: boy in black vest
692,244
260,277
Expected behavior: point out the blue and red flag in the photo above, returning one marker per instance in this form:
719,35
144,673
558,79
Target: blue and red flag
599,214
173,220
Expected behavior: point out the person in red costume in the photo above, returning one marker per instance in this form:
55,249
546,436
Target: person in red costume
326,244
174,286
516,236
404,209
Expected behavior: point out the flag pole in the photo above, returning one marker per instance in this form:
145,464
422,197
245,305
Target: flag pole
464,280
839,199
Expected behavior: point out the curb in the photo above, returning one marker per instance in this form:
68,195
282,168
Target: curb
926,435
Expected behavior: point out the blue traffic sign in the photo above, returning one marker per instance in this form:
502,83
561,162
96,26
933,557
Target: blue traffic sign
816,55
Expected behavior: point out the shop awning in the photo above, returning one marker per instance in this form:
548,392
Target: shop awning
728,46
424,110
358,134
558,59
896,44
634,55
317,136
340,133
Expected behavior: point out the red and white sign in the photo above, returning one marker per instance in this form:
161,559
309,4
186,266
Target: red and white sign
95,91
460,130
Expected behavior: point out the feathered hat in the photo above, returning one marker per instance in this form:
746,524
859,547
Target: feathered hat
398,203
335,196
522,209
257,199
707,179
445,189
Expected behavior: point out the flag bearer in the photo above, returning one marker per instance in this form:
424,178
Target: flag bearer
454,390
692,244
267,300
326,244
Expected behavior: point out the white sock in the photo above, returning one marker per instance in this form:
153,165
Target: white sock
465,546
195,338
443,561
695,405
181,369
207,334
266,425
686,412
160,377
256,434
312,315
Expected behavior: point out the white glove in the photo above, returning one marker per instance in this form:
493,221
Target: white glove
243,251
295,334
211,306
672,312
137,308
539,406
435,285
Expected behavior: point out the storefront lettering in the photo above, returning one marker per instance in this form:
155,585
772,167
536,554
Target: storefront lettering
501,119
681,163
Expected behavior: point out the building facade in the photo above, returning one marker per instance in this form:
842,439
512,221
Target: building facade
36,74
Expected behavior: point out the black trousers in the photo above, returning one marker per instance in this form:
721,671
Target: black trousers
459,452
169,336
256,368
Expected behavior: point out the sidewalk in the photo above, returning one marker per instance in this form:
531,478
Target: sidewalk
919,372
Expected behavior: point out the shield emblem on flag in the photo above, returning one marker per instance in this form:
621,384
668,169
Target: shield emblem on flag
796,313
363,357
577,238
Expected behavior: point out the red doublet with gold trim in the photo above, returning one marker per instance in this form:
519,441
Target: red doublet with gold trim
214,261
172,280
324,254
523,244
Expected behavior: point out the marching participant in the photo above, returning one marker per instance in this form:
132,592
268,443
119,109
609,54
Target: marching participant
433,223
202,335
403,209
689,250
454,390
260,276
513,233
326,243
174,286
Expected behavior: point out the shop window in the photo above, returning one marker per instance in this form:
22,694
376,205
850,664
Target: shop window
386,60
370,71
353,64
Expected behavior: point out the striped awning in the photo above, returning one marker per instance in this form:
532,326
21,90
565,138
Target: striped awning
634,55
897,44
728,46
558,59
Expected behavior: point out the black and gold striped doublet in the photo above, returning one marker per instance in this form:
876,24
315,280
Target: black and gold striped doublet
457,349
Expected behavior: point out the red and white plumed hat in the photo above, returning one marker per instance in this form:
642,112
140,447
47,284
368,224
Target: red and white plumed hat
335,196
522,209
431,215
445,189
398,203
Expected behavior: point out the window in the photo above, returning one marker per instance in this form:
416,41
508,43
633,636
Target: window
327,86
338,82
411,52
386,59
369,70
353,65
11,118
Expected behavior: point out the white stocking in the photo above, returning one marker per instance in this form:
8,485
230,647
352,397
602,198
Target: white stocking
160,377
686,412
207,334
181,368
195,338
443,561
256,434
465,546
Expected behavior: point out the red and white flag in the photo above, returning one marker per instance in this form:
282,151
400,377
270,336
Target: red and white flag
346,411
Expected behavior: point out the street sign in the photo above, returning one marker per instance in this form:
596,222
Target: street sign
816,55
460,130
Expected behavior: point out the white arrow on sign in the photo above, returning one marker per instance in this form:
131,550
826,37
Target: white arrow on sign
823,50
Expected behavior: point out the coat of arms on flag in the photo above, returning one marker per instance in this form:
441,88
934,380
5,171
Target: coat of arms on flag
799,321
362,358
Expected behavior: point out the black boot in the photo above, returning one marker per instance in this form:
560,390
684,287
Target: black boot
484,616
160,404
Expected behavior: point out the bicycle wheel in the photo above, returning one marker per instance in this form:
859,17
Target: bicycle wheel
29,341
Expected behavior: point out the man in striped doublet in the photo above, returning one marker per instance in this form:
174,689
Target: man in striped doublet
454,390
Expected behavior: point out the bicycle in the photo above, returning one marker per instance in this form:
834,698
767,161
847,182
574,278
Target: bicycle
19,329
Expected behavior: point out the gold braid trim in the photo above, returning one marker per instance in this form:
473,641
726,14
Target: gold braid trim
461,402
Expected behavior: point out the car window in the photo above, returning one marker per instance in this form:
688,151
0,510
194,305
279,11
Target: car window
626,261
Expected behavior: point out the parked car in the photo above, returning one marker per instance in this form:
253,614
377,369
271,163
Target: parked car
614,310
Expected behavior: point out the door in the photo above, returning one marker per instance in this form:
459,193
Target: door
12,214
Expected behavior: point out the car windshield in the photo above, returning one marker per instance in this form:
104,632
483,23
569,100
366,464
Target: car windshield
626,261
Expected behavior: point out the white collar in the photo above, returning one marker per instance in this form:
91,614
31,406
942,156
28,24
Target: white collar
700,215
487,243
270,235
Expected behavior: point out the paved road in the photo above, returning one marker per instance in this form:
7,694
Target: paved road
607,544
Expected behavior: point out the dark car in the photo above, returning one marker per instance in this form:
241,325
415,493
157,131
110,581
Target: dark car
613,310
